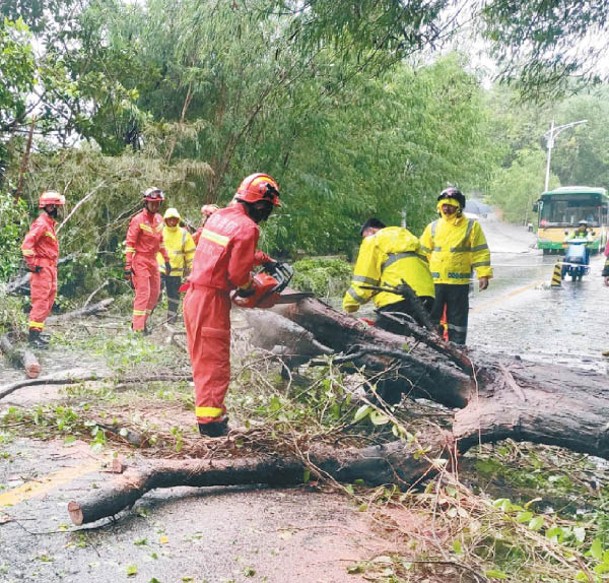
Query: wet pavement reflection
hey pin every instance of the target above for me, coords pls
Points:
(522, 314)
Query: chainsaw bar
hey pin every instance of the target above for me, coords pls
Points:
(293, 297)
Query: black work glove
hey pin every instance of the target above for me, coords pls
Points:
(245, 292)
(167, 268)
(34, 268)
(128, 275)
(270, 264)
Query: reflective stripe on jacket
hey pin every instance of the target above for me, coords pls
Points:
(386, 258)
(145, 236)
(40, 246)
(180, 248)
(456, 247)
(225, 254)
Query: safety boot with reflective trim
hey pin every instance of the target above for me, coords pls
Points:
(214, 429)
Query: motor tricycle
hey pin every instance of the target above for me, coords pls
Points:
(576, 263)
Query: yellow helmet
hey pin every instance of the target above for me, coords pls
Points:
(172, 213)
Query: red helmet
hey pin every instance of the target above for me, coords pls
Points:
(153, 194)
(257, 187)
(51, 197)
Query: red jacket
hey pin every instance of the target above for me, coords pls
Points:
(40, 246)
(225, 254)
(145, 237)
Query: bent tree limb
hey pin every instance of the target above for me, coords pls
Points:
(75, 380)
(395, 463)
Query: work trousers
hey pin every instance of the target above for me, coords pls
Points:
(419, 313)
(43, 289)
(147, 284)
(207, 320)
(455, 299)
(172, 283)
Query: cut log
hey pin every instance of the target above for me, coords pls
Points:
(396, 462)
(20, 357)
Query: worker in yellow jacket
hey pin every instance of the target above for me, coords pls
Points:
(389, 256)
(456, 246)
(181, 250)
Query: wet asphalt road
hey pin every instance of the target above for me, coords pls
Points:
(522, 314)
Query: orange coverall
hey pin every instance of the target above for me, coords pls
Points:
(224, 258)
(41, 249)
(144, 241)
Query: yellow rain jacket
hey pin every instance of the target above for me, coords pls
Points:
(456, 246)
(181, 249)
(389, 256)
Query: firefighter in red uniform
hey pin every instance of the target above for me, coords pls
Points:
(144, 241)
(223, 261)
(40, 251)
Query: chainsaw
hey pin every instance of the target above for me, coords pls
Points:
(266, 288)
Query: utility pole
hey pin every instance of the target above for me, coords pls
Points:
(550, 137)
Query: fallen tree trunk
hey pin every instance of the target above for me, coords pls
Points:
(92, 310)
(20, 357)
(396, 462)
(22, 283)
(495, 399)
(499, 399)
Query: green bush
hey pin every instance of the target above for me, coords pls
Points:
(13, 224)
(325, 277)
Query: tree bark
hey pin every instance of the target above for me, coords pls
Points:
(396, 462)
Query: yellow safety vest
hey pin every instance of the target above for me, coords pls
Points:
(181, 249)
(456, 247)
(386, 258)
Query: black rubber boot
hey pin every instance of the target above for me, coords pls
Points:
(216, 429)
(35, 340)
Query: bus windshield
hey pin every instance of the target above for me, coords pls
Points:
(568, 210)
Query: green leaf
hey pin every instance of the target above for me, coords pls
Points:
(601, 569)
(131, 570)
(524, 516)
(555, 533)
(596, 549)
(536, 523)
(494, 574)
(457, 547)
(378, 418)
(362, 413)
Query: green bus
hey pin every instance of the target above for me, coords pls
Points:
(560, 210)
